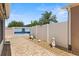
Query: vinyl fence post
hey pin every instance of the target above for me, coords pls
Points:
(36, 31)
(48, 33)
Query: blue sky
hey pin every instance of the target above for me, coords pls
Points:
(26, 12)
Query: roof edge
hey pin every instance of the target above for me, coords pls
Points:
(70, 5)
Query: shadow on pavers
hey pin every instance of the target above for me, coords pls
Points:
(6, 49)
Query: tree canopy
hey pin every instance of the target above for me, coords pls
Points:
(33, 23)
(46, 18)
(15, 24)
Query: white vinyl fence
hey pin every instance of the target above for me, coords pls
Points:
(9, 33)
(57, 30)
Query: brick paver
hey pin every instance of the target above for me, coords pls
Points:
(22, 46)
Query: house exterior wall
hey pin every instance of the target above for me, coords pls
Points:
(4, 14)
(2, 37)
(1, 46)
(75, 29)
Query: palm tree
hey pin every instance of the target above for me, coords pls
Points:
(47, 17)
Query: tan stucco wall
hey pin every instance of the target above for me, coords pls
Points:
(2, 18)
(75, 29)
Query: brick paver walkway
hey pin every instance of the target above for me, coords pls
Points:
(20, 46)
(23, 47)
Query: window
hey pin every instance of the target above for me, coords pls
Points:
(1, 30)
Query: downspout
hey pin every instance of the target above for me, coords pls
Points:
(69, 29)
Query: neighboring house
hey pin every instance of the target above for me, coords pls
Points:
(4, 14)
(28, 25)
(73, 25)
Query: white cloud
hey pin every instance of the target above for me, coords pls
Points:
(60, 13)
(26, 18)
(62, 16)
